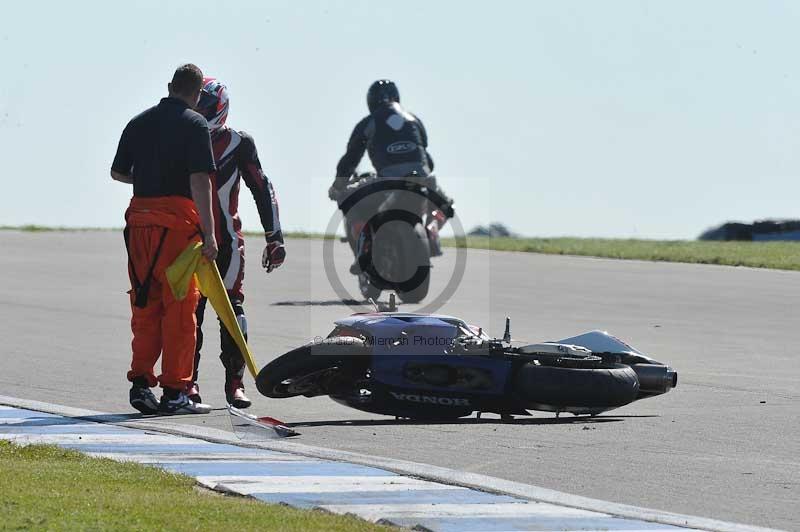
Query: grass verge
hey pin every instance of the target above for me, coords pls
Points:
(774, 255)
(44, 487)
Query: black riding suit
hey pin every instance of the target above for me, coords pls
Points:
(393, 137)
(397, 143)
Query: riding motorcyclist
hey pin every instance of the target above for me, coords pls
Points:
(397, 144)
(236, 160)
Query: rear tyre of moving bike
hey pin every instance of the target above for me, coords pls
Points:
(417, 271)
(577, 390)
(303, 370)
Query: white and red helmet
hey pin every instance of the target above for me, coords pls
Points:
(213, 103)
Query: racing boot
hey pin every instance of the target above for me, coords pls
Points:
(141, 398)
(193, 392)
(437, 220)
(177, 402)
(234, 393)
(233, 361)
(363, 255)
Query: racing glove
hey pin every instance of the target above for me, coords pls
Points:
(274, 254)
(448, 210)
(333, 192)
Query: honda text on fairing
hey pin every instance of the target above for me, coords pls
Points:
(395, 233)
(438, 367)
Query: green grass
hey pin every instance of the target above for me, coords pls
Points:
(44, 487)
(775, 255)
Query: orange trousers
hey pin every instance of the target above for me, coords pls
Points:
(163, 327)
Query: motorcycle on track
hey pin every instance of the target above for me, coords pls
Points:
(437, 367)
(393, 224)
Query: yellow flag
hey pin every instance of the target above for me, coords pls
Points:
(179, 275)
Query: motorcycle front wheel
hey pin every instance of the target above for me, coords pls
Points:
(300, 371)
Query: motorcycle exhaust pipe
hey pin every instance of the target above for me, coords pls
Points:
(655, 379)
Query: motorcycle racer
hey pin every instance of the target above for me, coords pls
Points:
(397, 144)
(395, 139)
(237, 160)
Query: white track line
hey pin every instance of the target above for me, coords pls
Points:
(489, 510)
(99, 439)
(259, 458)
(317, 484)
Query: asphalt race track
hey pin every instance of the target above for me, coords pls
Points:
(725, 444)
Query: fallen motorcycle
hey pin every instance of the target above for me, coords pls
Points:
(438, 367)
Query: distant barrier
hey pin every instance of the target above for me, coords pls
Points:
(760, 231)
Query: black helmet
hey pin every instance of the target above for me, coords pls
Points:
(383, 90)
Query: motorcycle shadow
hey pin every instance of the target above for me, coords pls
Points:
(579, 420)
(383, 306)
(324, 303)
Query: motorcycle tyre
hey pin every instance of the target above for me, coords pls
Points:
(418, 249)
(310, 358)
(611, 386)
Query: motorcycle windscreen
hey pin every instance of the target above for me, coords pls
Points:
(600, 342)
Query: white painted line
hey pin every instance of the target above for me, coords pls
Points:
(13, 420)
(259, 458)
(100, 439)
(317, 484)
(426, 471)
(508, 509)
(55, 422)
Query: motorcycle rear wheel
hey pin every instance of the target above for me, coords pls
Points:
(280, 378)
(417, 252)
(417, 294)
(608, 386)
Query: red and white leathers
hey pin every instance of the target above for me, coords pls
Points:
(237, 160)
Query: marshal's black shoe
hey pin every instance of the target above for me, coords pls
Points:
(142, 399)
(180, 403)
